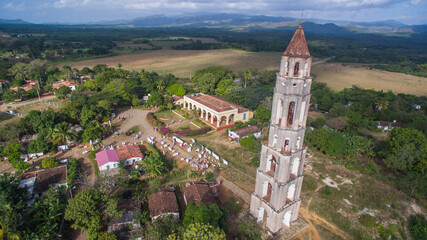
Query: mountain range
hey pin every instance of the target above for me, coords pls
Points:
(241, 21)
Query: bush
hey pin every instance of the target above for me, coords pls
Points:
(153, 120)
(368, 221)
(189, 132)
(232, 206)
(209, 176)
(50, 162)
(418, 227)
(73, 171)
(255, 161)
(251, 143)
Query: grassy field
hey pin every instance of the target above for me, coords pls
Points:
(339, 76)
(183, 63)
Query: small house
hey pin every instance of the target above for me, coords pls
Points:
(388, 126)
(130, 153)
(241, 133)
(38, 182)
(30, 84)
(199, 192)
(128, 222)
(163, 203)
(107, 159)
(71, 84)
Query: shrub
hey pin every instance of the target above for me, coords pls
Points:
(164, 130)
(153, 120)
(189, 132)
(418, 227)
(251, 143)
(255, 161)
(368, 221)
(73, 171)
(336, 123)
(50, 162)
(209, 176)
(232, 206)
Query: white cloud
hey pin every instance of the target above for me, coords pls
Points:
(14, 7)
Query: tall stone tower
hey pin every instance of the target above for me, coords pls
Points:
(276, 199)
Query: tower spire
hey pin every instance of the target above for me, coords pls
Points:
(298, 45)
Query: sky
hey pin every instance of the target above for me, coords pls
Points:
(85, 11)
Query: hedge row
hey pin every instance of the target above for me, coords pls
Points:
(153, 120)
(73, 171)
(189, 132)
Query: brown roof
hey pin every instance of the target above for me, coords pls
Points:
(216, 103)
(247, 130)
(199, 192)
(26, 87)
(47, 177)
(63, 83)
(129, 151)
(162, 202)
(298, 45)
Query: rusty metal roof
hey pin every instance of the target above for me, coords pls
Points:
(298, 45)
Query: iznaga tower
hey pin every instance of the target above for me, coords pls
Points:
(276, 199)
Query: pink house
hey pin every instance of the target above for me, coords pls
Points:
(107, 159)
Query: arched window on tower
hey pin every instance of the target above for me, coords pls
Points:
(286, 147)
(285, 71)
(279, 112)
(296, 69)
(271, 165)
(266, 191)
(291, 193)
(291, 110)
(306, 69)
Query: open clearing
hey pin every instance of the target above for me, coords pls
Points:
(339, 76)
(183, 63)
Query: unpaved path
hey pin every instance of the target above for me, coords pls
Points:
(3, 107)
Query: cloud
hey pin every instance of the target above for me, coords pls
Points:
(14, 7)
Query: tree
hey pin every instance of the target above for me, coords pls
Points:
(62, 92)
(44, 218)
(88, 114)
(93, 131)
(176, 89)
(207, 79)
(223, 85)
(200, 232)
(153, 165)
(90, 85)
(248, 76)
(162, 228)
(212, 215)
(249, 230)
(90, 210)
(262, 115)
(13, 154)
(12, 202)
(406, 150)
(418, 227)
(156, 99)
(62, 133)
(107, 235)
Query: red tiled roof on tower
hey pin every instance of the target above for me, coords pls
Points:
(298, 45)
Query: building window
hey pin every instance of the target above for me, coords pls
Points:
(244, 116)
(291, 110)
(296, 69)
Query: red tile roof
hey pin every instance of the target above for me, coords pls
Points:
(162, 202)
(26, 87)
(199, 192)
(216, 103)
(298, 45)
(59, 84)
(129, 151)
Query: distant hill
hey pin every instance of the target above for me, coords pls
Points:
(242, 21)
(13, 21)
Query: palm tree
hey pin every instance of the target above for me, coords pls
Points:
(381, 104)
(62, 133)
(248, 76)
(152, 165)
(161, 85)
